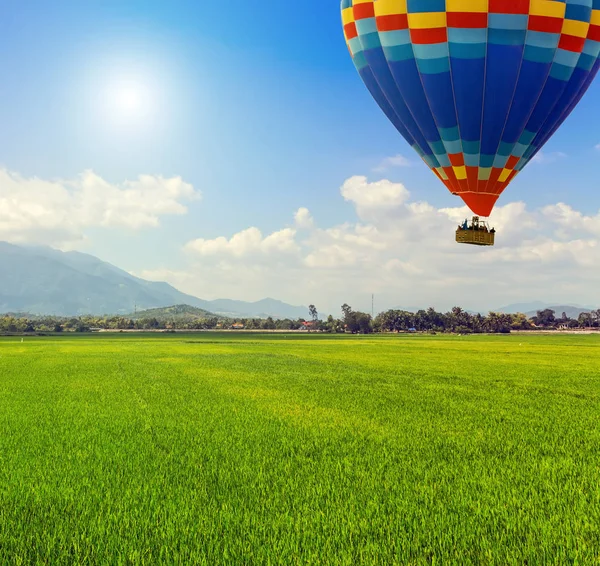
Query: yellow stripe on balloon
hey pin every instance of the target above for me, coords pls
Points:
(504, 175)
(576, 28)
(548, 8)
(348, 16)
(478, 6)
(390, 7)
(427, 20)
(460, 172)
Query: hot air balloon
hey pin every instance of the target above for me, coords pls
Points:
(476, 87)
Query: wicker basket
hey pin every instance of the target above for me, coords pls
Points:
(475, 237)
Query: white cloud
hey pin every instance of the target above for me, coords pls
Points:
(597, 148)
(344, 246)
(303, 219)
(404, 252)
(58, 212)
(392, 162)
(400, 249)
(246, 244)
(571, 222)
(374, 199)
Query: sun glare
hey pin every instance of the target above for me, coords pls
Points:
(125, 98)
(126, 102)
(128, 90)
(129, 100)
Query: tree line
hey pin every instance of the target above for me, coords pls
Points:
(456, 320)
(460, 321)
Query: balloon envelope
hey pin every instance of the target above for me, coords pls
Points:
(476, 87)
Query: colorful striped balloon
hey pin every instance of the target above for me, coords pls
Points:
(476, 87)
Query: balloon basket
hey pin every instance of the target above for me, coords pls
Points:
(476, 234)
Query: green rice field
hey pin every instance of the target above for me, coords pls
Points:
(216, 449)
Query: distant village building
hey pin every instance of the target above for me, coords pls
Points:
(238, 326)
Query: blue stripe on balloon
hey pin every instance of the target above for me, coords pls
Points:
(468, 76)
(503, 66)
(529, 87)
(434, 67)
(387, 85)
(578, 12)
(395, 37)
(539, 55)
(467, 36)
(514, 22)
(488, 93)
(409, 84)
(373, 87)
(367, 26)
(468, 50)
(506, 37)
(423, 6)
(543, 39)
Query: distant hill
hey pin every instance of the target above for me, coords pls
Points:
(44, 281)
(176, 312)
(523, 307)
(570, 311)
(258, 309)
(531, 309)
(41, 280)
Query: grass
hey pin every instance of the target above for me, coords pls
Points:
(279, 449)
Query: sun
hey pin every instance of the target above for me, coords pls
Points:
(128, 101)
(129, 94)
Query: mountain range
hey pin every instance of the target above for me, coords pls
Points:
(44, 281)
(532, 308)
(41, 280)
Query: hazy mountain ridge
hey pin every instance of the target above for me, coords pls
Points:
(40, 280)
(259, 309)
(174, 312)
(531, 309)
(45, 281)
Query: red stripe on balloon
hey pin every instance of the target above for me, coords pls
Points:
(509, 7)
(363, 11)
(350, 31)
(594, 33)
(512, 162)
(481, 186)
(457, 159)
(494, 176)
(546, 24)
(429, 36)
(472, 177)
(463, 185)
(452, 182)
(499, 187)
(467, 20)
(572, 43)
(392, 23)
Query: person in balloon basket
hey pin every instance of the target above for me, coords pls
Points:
(479, 227)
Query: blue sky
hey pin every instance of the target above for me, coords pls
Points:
(256, 105)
